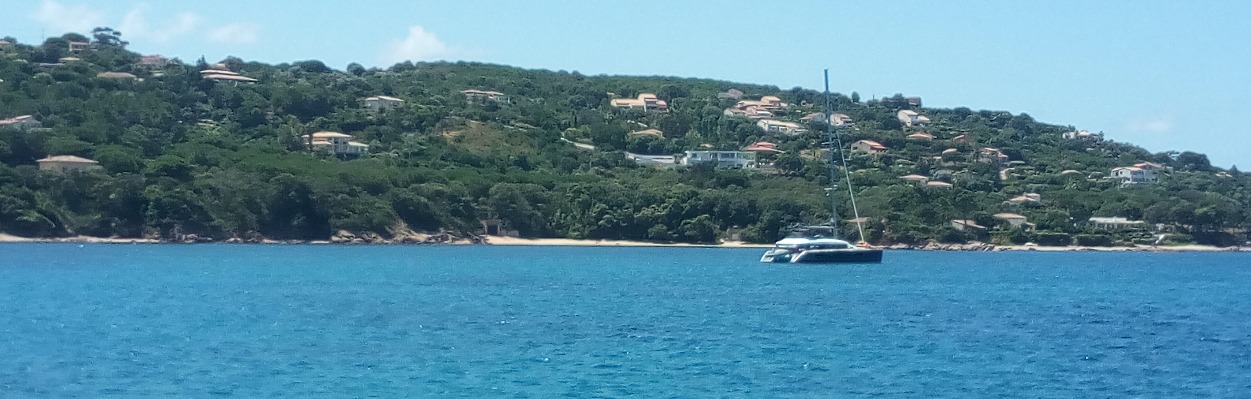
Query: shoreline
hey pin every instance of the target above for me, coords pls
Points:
(569, 242)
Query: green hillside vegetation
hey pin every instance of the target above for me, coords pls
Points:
(180, 155)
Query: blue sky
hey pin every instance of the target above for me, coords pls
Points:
(1165, 75)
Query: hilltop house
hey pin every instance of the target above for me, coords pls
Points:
(868, 147)
(911, 118)
(1134, 176)
(23, 122)
(1083, 135)
(339, 144)
(153, 62)
(731, 93)
(381, 103)
(478, 96)
(776, 126)
(991, 155)
(5, 45)
(66, 163)
(913, 101)
(645, 101)
(767, 102)
(75, 47)
(725, 159)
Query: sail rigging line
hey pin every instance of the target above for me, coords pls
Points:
(836, 143)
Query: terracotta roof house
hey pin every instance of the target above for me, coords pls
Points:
(645, 101)
(763, 147)
(66, 163)
(911, 118)
(381, 103)
(938, 184)
(950, 151)
(922, 136)
(20, 122)
(5, 45)
(961, 138)
(868, 147)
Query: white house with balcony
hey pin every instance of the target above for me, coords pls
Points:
(911, 118)
(336, 143)
(381, 103)
(1135, 176)
(721, 159)
(780, 127)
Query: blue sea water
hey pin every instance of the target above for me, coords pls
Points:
(310, 321)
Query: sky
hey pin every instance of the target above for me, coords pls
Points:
(1164, 75)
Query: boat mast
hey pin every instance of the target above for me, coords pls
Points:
(829, 132)
(834, 140)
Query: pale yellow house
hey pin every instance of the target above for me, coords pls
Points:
(336, 143)
(645, 101)
(66, 163)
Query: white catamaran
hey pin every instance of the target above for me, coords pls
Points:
(822, 244)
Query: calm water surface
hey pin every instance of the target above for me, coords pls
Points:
(209, 321)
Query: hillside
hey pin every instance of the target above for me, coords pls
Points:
(228, 151)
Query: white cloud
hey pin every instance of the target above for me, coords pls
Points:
(1154, 124)
(135, 26)
(62, 18)
(418, 46)
(236, 33)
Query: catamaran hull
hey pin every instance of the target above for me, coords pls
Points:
(856, 255)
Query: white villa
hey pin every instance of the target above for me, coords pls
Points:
(472, 95)
(1115, 223)
(1135, 175)
(336, 143)
(381, 103)
(868, 147)
(911, 118)
(725, 159)
(776, 126)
